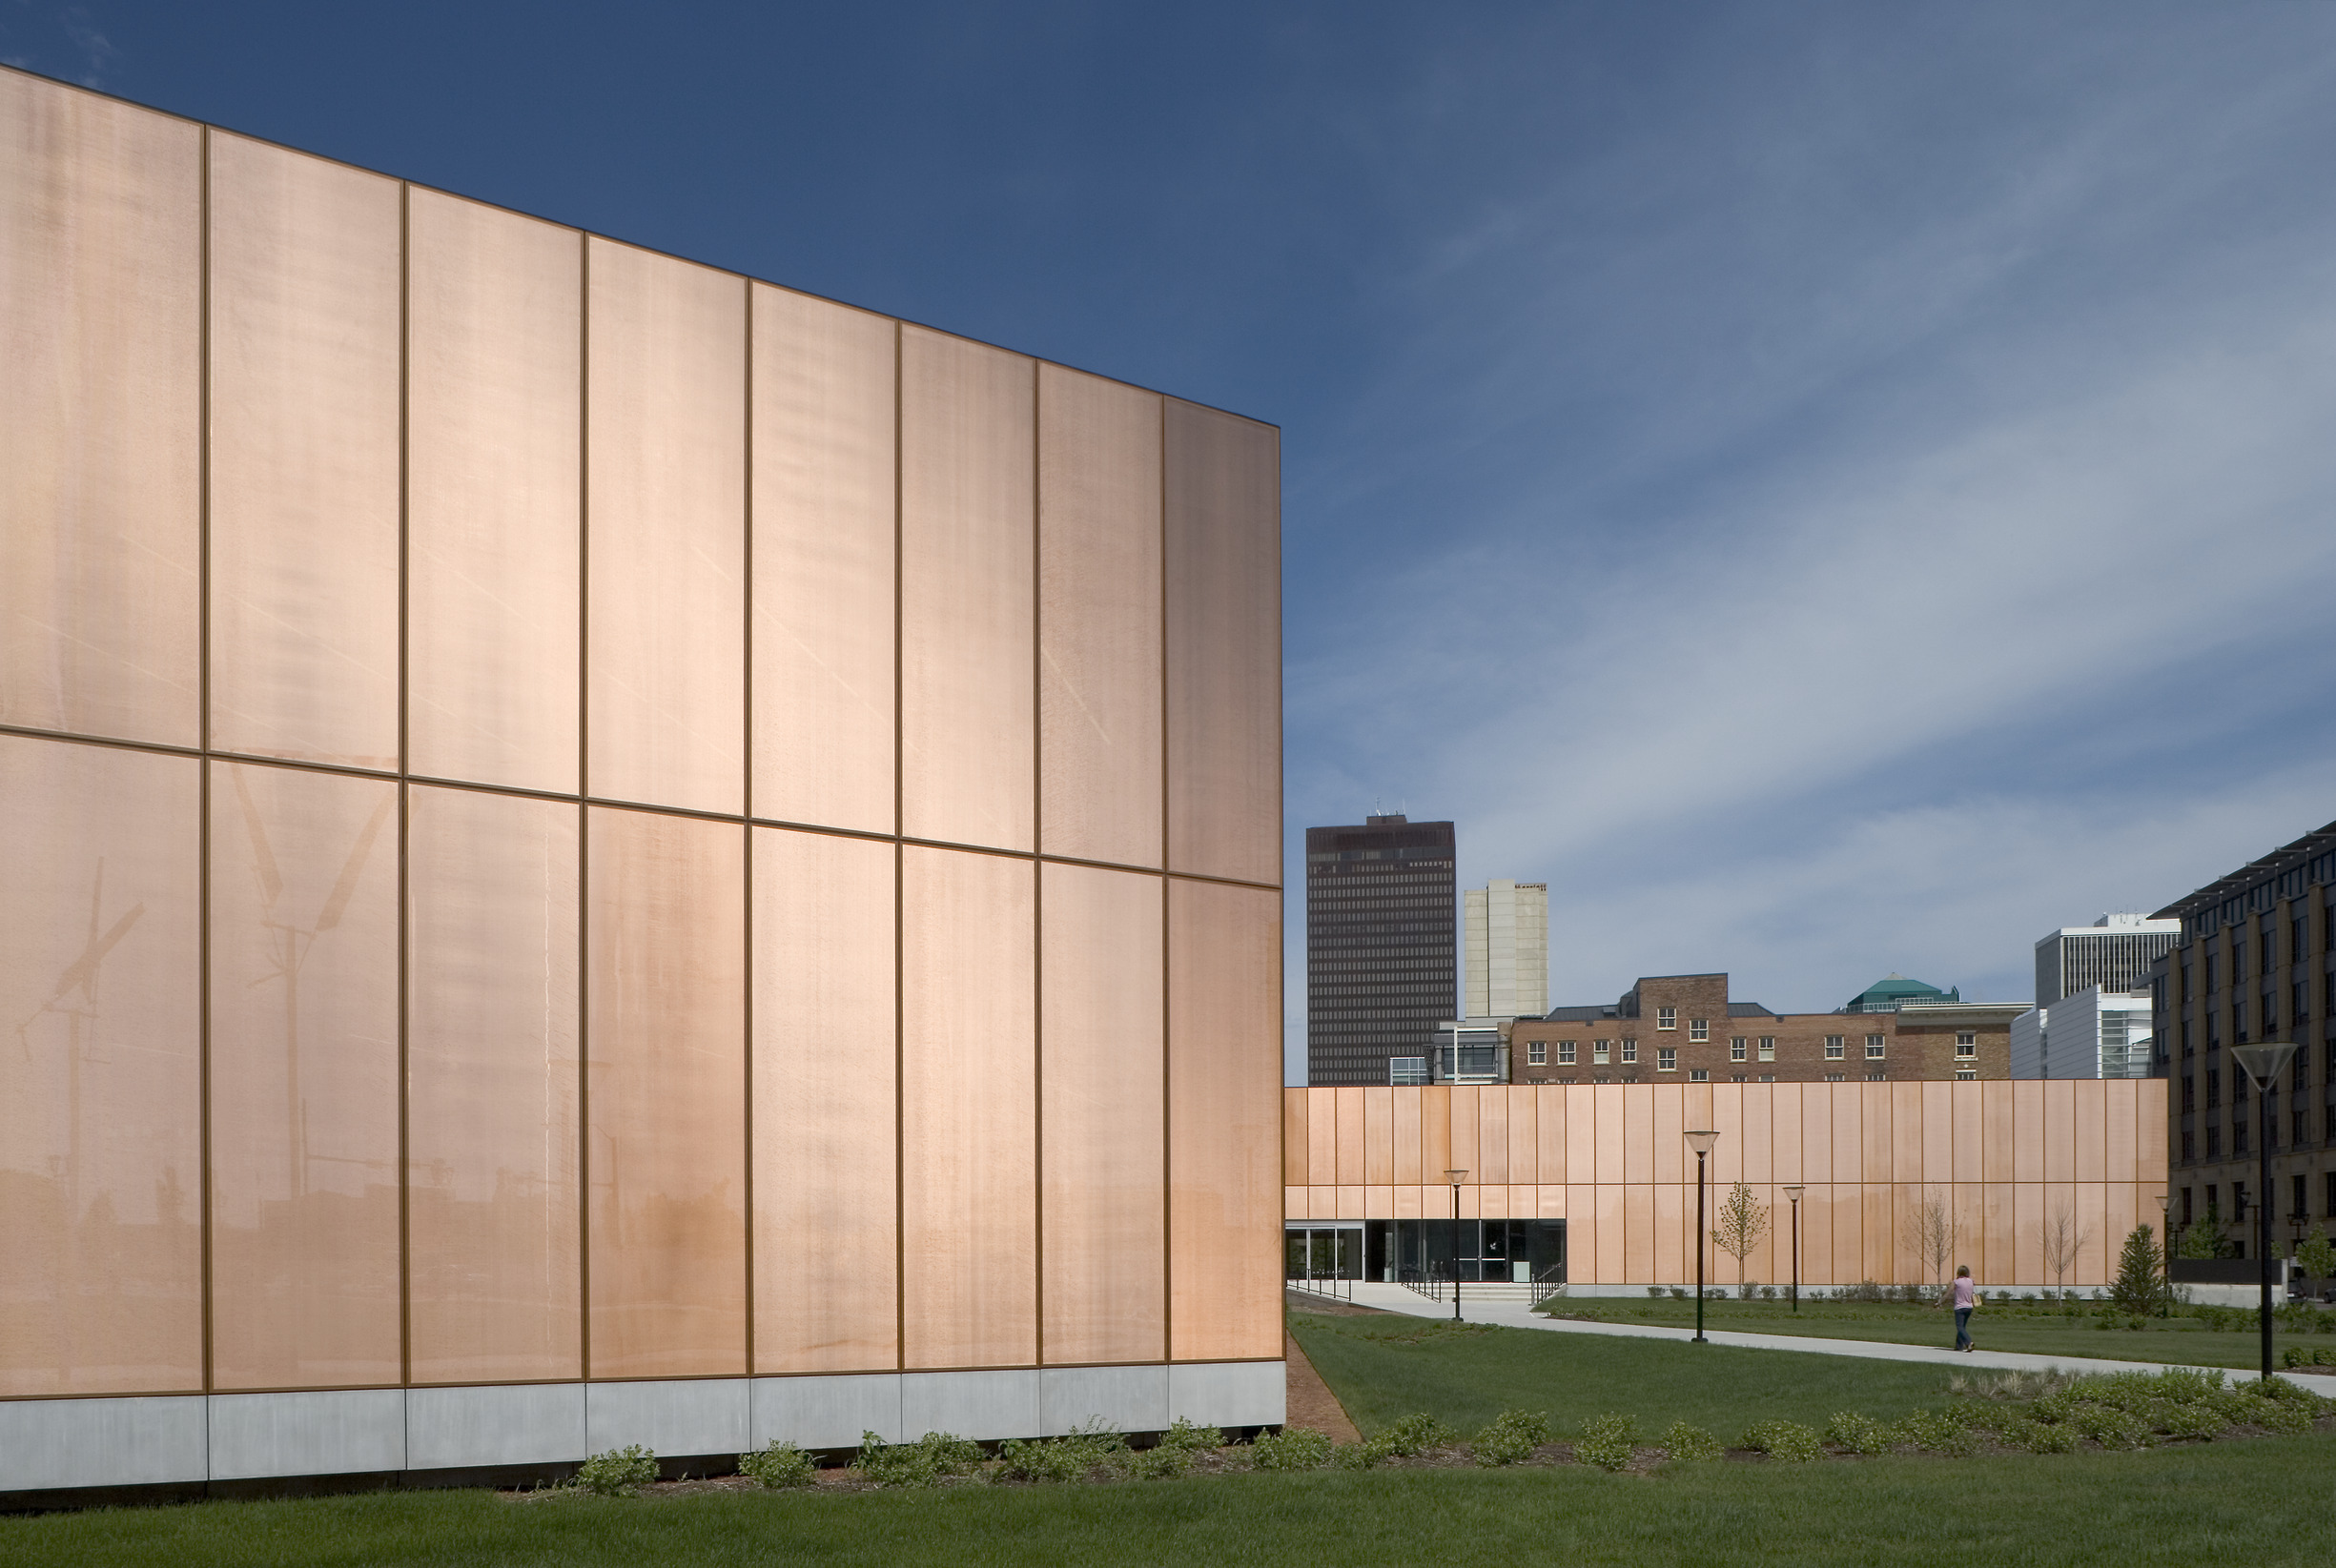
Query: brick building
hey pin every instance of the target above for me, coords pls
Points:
(1684, 1029)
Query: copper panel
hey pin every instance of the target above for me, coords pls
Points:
(1101, 1139)
(1463, 1126)
(1816, 1131)
(1669, 1157)
(1581, 1134)
(1938, 1121)
(1848, 1133)
(1377, 1201)
(824, 1057)
(1845, 1220)
(824, 513)
(1581, 1232)
(1607, 1101)
(1408, 1136)
(1551, 1201)
(969, 1151)
(2121, 1212)
(303, 1079)
(1550, 1125)
(666, 543)
(492, 1015)
(2089, 1115)
(1878, 1234)
(304, 367)
(1727, 1163)
(1880, 1133)
(1787, 1162)
(1637, 1135)
(1759, 1110)
(2028, 1129)
(967, 641)
(1816, 1234)
(1435, 1133)
(1349, 1157)
(2029, 1213)
(1524, 1137)
(1295, 1143)
(1674, 1216)
(1695, 1103)
(100, 296)
(100, 1165)
(1322, 1138)
(1348, 1200)
(1378, 1136)
(1225, 645)
(1996, 1131)
(1098, 617)
(665, 1153)
(1968, 1109)
(1612, 1236)
(1908, 1103)
(492, 540)
(2097, 1246)
(1224, 1058)
(1294, 1202)
(1407, 1201)
(1998, 1264)
(1492, 1134)
(2061, 1131)
(1470, 1202)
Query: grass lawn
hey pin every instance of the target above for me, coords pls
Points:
(2255, 1501)
(1383, 1368)
(2186, 1341)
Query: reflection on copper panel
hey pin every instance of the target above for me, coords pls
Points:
(823, 1208)
(966, 583)
(101, 257)
(1224, 1060)
(1098, 617)
(968, 1104)
(665, 1153)
(304, 261)
(1099, 1013)
(823, 562)
(101, 1245)
(1225, 645)
(492, 540)
(491, 1098)
(666, 540)
(303, 1079)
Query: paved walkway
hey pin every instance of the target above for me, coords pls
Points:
(1516, 1314)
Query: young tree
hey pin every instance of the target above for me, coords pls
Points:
(1742, 1223)
(2063, 1239)
(2316, 1258)
(1936, 1233)
(2140, 1274)
(2203, 1238)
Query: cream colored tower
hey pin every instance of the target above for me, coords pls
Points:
(1507, 949)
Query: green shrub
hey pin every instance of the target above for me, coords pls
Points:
(1293, 1448)
(928, 1461)
(1367, 1454)
(1684, 1442)
(1939, 1431)
(778, 1465)
(2307, 1355)
(1608, 1441)
(2192, 1421)
(1072, 1457)
(2287, 1417)
(2111, 1427)
(1859, 1434)
(1788, 1442)
(2039, 1437)
(1511, 1437)
(1190, 1440)
(1415, 1433)
(619, 1473)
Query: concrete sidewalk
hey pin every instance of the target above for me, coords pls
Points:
(1516, 1314)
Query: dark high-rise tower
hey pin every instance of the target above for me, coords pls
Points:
(1381, 956)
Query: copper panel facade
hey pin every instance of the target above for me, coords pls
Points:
(968, 585)
(100, 1156)
(303, 1079)
(1294, 1138)
(1098, 617)
(1224, 1058)
(969, 1104)
(304, 416)
(1101, 1117)
(1377, 1146)
(823, 524)
(1350, 1136)
(665, 1151)
(666, 530)
(494, 376)
(824, 1095)
(100, 296)
(1223, 530)
(492, 1036)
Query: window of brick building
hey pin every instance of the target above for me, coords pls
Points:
(1874, 1047)
(1971, 1073)
(1875, 1077)
(1699, 1075)
(1599, 1050)
(2189, 1216)
(1565, 1053)
(1966, 1043)
(1735, 1077)
(1833, 1078)
(1537, 1053)
(1667, 1058)
(2214, 1144)
(1666, 1018)
(2210, 974)
(1833, 1048)
(2238, 1137)
(1699, 1028)
(1738, 1047)
(2189, 1150)
(1630, 1049)
(2295, 941)
(2214, 1088)
(2190, 1091)
(1768, 1047)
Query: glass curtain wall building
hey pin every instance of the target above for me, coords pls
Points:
(1382, 949)
(600, 851)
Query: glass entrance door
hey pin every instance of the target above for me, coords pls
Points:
(1322, 1252)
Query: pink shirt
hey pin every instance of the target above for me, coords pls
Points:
(1964, 1291)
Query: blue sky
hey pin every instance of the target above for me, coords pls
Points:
(1829, 488)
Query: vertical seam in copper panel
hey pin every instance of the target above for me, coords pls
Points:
(1037, 885)
(747, 822)
(202, 742)
(1167, 1006)
(900, 855)
(406, 921)
(583, 812)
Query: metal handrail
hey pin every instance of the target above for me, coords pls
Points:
(1333, 1289)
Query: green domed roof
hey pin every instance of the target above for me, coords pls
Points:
(1886, 994)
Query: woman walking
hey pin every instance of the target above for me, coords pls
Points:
(1966, 1298)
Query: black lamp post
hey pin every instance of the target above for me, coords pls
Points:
(1795, 1193)
(2264, 1064)
(1701, 1142)
(1454, 1176)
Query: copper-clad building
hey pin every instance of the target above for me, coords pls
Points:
(599, 851)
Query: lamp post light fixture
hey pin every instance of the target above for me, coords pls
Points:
(1454, 1177)
(1795, 1193)
(2166, 1237)
(2264, 1063)
(1700, 1141)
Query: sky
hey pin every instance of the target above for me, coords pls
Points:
(1831, 488)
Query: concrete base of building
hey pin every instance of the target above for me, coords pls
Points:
(61, 1453)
